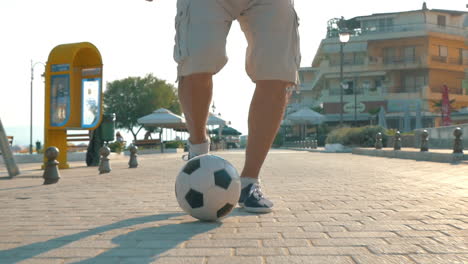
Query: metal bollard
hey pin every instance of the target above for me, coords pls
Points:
(104, 165)
(458, 142)
(51, 172)
(133, 162)
(378, 141)
(397, 141)
(424, 141)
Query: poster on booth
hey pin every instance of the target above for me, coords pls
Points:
(91, 102)
(59, 100)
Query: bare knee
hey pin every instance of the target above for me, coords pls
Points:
(272, 90)
(196, 79)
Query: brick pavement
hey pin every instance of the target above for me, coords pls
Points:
(330, 208)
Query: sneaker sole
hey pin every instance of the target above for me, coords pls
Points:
(258, 210)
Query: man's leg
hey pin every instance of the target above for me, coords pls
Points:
(266, 111)
(195, 92)
(265, 115)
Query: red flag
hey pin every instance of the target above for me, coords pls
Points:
(446, 120)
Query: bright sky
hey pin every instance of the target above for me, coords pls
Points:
(136, 37)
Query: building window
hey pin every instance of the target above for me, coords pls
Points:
(378, 25)
(389, 55)
(465, 57)
(443, 51)
(441, 21)
(410, 54)
(413, 83)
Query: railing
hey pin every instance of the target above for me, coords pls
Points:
(401, 60)
(405, 89)
(439, 59)
(403, 28)
(451, 90)
(456, 61)
(347, 62)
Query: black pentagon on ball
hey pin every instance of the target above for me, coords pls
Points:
(194, 198)
(222, 179)
(225, 210)
(192, 166)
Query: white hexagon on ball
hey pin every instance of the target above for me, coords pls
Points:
(208, 187)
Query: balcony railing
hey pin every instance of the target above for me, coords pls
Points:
(401, 60)
(440, 59)
(456, 61)
(403, 28)
(452, 90)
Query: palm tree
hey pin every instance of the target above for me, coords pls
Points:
(437, 104)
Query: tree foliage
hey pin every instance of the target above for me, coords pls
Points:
(134, 97)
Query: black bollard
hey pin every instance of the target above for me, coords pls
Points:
(424, 141)
(315, 144)
(397, 141)
(378, 141)
(458, 142)
(51, 172)
(104, 165)
(133, 162)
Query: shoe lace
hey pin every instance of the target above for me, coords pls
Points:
(256, 191)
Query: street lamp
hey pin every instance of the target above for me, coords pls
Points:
(33, 64)
(344, 38)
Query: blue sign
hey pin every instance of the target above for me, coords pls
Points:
(400, 105)
(60, 67)
(59, 100)
(91, 102)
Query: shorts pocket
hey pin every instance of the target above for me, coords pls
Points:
(182, 25)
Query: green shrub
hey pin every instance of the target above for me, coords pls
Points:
(356, 136)
(174, 144)
(116, 146)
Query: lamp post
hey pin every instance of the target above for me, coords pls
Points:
(33, 64)
(344, 38)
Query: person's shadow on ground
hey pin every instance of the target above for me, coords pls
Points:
(147, 244)
(177, 233)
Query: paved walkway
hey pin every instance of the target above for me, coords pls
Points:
(330, 208)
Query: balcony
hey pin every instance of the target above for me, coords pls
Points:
(457, 61)
(439, 59)
(401, 60)
(452, 90)
(424, 27)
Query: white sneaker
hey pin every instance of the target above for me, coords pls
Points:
(197, 149)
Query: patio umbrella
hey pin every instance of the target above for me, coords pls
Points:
(306, 116)
(382, 120)
(214, 120)
(162, 118)
(418, 116)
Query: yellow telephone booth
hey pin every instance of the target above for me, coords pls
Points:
(73, 94)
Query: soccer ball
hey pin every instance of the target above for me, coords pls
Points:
(208, 187)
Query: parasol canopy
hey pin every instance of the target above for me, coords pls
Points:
(162, 118)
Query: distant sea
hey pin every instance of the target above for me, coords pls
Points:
(21, 135)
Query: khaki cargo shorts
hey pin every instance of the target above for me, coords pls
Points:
(270, 27)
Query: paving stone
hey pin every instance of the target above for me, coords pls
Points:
(331, 251)
(440, 259)
(372, 259)
(235, 260)
(396, 249)
(310, 259)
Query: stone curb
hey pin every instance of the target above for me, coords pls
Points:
(413, 155)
